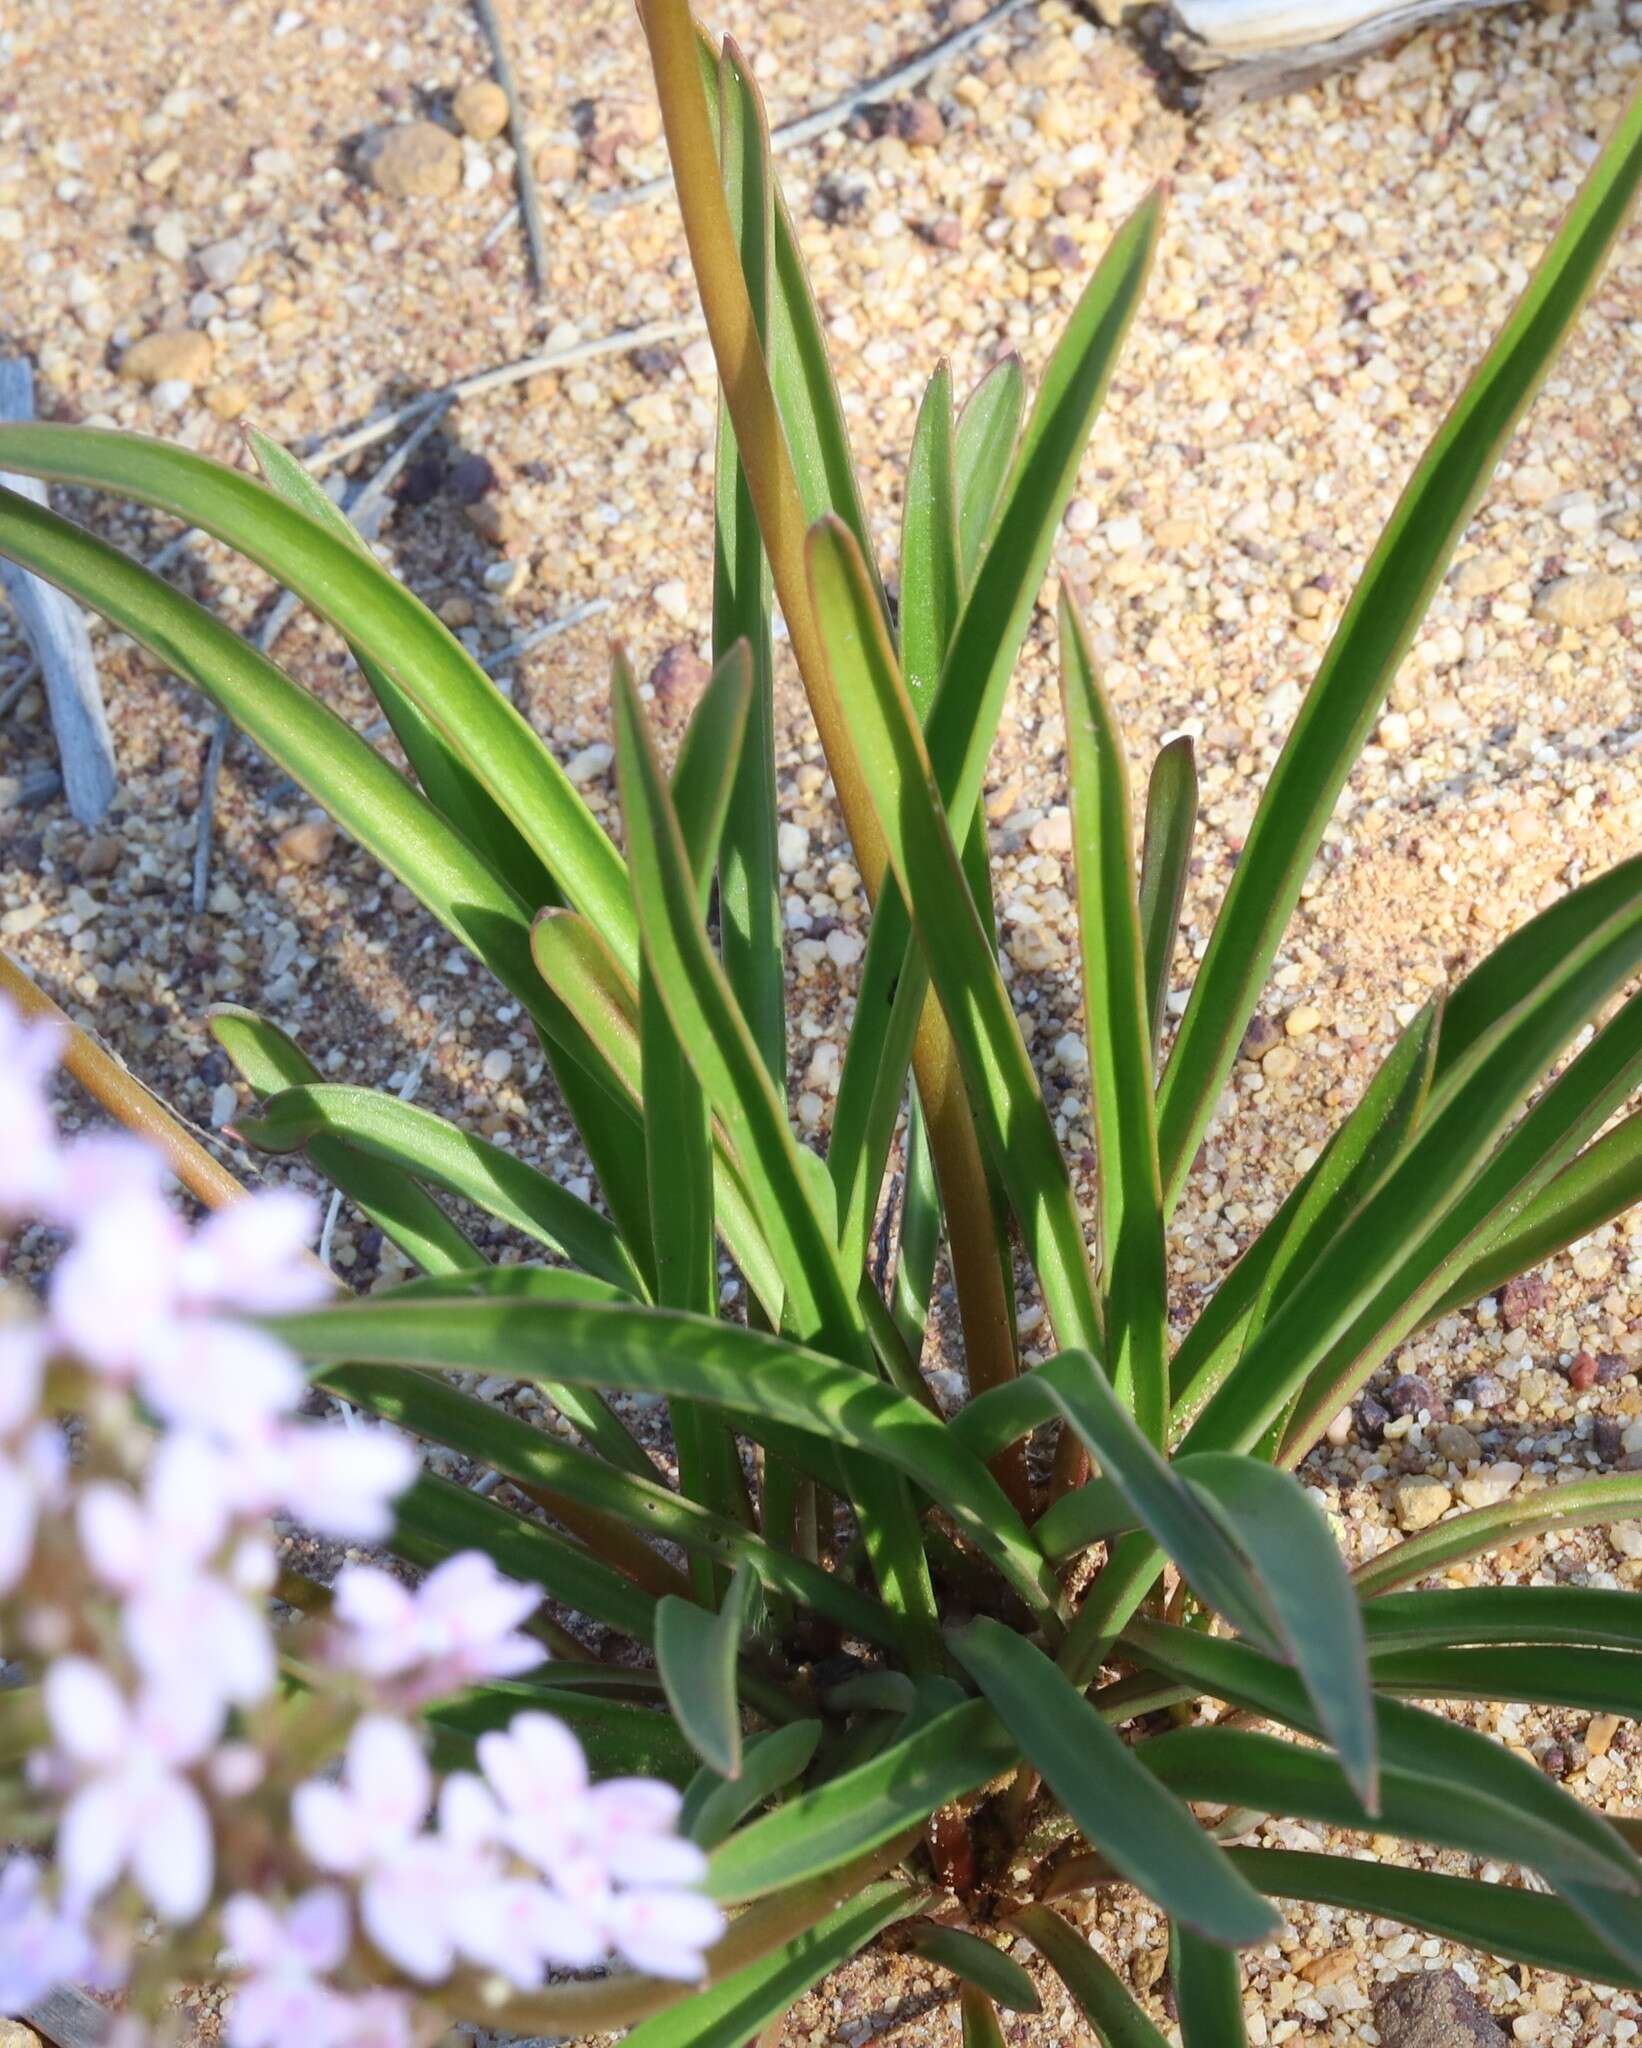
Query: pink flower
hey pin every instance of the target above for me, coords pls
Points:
(134, 1808)
(377, 2019)
(664, 1933)
(373, 1811)
(283, 1999)
(41, 1946)
(521, 1928)
(23, 1351)
(339, 1481)
(31, 1478)
(113, 1294)
(460, 1625)
(253, 1257)
(28, 1137)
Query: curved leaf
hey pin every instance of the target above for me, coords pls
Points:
(981, 1963)
(696, 1655)
(714, 1804)
(1096, 1988)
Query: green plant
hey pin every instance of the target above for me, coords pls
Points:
(993, 1745)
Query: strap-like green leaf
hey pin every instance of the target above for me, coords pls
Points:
(1165, 852)
(619, 1741)
(981, 1963)
(920, 1235)
(1581, 1504)
(744, 1371)
(1504, 1614)
(1096, 1988)
(931, 577)
(964, 718)
(696, 1655)
(1385, 609)
(981, 2025)
(731, 2013)
(1523, 1926)
(1133, 1270)
(396, 1203)
(851, 1814)
(989, 425)
(1591, 1681)
(714, 1804)
(1275, 1524)
(1002, 1090)
(1208, 1991)
(1141, 1830)
(352, 590)
(451, 786)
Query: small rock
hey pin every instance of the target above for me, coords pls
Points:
(1419, 1501)
(590, 763)
(917, 122)
(1608, 1440)
(1600, 1731)
(1372, 1417)
(1408, 1394)
(221, 262)
(1053, 832)
(1583, 601)
(1395, 732)
(224, 1104)
(677, 681)
(1339, 1430)
(1522, 1296)
(1434, 2010)
(792, 846)
(1373, 81)
(171, 238)
(672, 600)
(1457, 1444)
(101, 854)
(494, 520)
(1581, 1371)
(469, 478)
(1303, 1019)
(1494, 1483)
(506, 578)
(307, 845)
(1281, 1062)
(227, 401)
(945, 231)
(1263, 1033)
(175, 355)
(13, 2034)
(497, 1065)
(1485, 1391)
(414, 160)
(1482, 576)
(480, 108)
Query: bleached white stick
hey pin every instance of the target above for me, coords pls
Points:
(55, 628)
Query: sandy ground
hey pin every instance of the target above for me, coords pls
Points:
(1331, 263)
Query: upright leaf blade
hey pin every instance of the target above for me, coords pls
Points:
(1141, 1830)
(1133, 1268)
(1098, 1991)
(989, 425)
(931, 576)
(696, 1656)
(1385, 609)
(1166, 846)
(1208, 1991)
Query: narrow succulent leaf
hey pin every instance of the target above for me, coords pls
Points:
(920, 1236)
(850, 1815)
(749, 871)
(1164, 1502)
(353, 592)
(1380, 621)
(714, 1805)
(981, 2025)
(773, 1384)
(931, 578)
(1318, 1205)
(979, 1963)
(1522, 1926)
(1141, 1830)
(1600, 1185)
(1541, 1615)
(1265, 1774)
(424, 1404)
(988, 429)
(1590, 1864)
(420, 1143)
(1589, 1681)
(1002, 1090)
(436, 1518)
(451, 785)
(1208, 1991)
(696, 1655)
(729, 2014)
(1133, 1270)
(821, 1304)
(399, 1206)
(1097, 1990)
(1273, 1521)
(619, 1741)
(367, 797)
(964, 718)
(1165, 854)
(1371, 1284)
(1581, 1504)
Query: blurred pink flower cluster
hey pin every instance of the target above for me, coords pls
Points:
(135, 1572)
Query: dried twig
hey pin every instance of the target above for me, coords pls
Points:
(515, 649)
(55, 628)
(524, 172)
(367, 508)
(69, 2019)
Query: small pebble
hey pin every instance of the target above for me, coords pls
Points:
(497, 1065)
(176, 355)
(1419, 1501)
(480, 108)
(1408, 1394)
(413, 160)
(307, 845)
(1581, 602)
